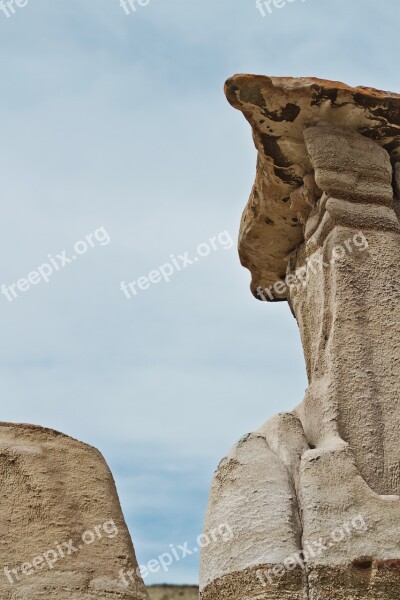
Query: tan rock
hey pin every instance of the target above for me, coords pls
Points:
(62, 532)
(279, 110)
(323, 218)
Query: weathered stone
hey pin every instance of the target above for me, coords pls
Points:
(321, 497)
(253, 490)
(397, 180)
(62, 532)
(279, 111)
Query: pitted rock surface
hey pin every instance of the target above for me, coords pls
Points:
(279, 110)
(62, 532)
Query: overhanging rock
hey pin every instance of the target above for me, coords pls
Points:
(279, 110)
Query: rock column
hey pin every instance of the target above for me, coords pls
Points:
(313, 496)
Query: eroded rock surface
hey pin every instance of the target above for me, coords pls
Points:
(279, 111)
(313, 496)
(62, 532)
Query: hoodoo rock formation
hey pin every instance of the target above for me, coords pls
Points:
(313, 495)
(62, 532)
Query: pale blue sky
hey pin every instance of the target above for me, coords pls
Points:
(120, 121)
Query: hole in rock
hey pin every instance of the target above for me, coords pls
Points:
(363, 564)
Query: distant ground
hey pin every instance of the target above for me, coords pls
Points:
(173, 592)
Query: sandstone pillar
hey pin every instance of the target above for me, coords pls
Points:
(321, 230)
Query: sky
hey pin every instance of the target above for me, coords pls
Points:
(119, 155)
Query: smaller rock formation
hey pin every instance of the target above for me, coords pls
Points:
(62, 532)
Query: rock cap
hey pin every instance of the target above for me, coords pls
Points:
(279, 110)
